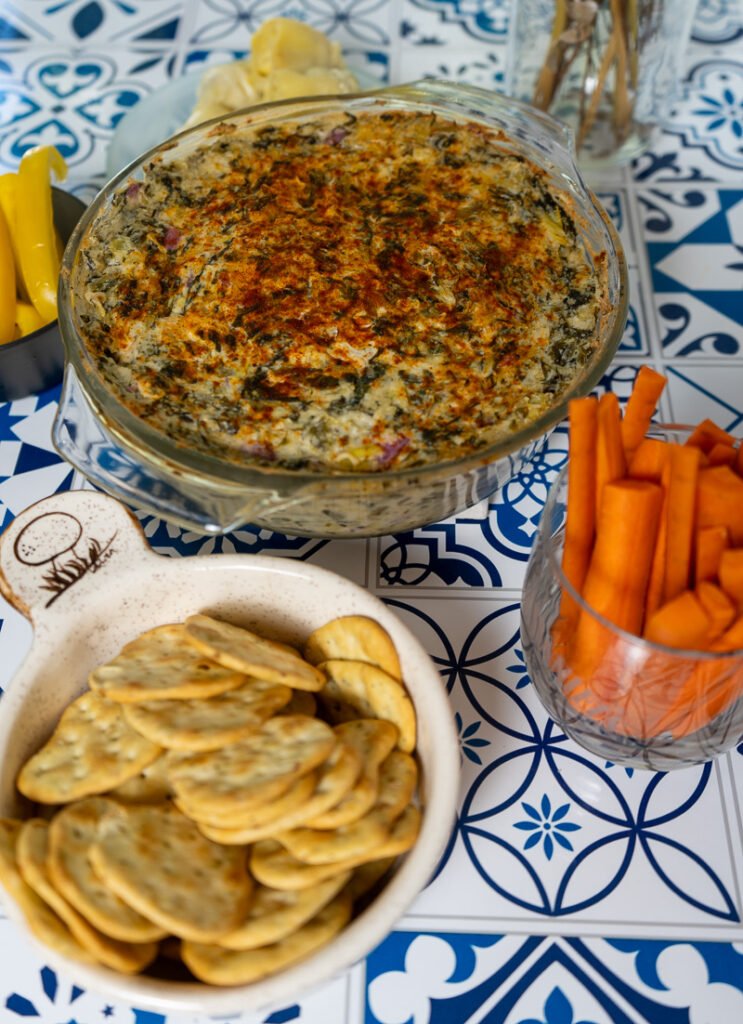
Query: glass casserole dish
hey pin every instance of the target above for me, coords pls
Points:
(194, 486)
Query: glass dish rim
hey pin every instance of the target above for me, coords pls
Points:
(154, 445)
(636, 641)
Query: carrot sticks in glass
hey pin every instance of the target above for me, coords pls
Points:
(653, 544)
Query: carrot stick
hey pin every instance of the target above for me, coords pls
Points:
(640, 407)
(720, 501)
(581, 506)
(654, 595)
(680, 510)
(680, 622)
(658, 682)
(739, 460)
(721, 455)
(712, 686)
(648, 459)
(731, 574)
(731, 639)
(610, 460)
(727, 688)
(718, 606)
(618, 574)
(707, 434)
(709, 545)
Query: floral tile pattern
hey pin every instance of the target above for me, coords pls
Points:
(72, 101)
(539, 911)
(693, 239)
(440, 978)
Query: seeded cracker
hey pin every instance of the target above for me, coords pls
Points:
(262, 815)
(150, 786)
(72, 833)
(273, 865)
(275, 914)
(259, 768)
(240, 649)
(92, 749)
(302, 703)
(357, 690)
(162, 664)
(374, 739)
(208, 724)
(397, 780)
(157, 861)
(219, 966)
(43, 923)
(366, 876)
(354, 638)
(335, 777)
(129, 958)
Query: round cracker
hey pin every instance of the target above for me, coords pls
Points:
(199, 724)
(261, 815)
(367, 876)
(335, 777)
(274, 914)
(162, 664)
(32, 850)
(72, 833)
(42, 922)
(218, 966)
(302, 703)
(397, 781)
(354, 638)
(272, 865)
(150, 786)
(93, 749)
(254, 655)
(156, 860)
(374, 739)
(357, 690)
(259, 768)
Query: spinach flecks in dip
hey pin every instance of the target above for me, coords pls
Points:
(345, 293)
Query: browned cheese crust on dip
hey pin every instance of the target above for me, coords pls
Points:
(342, 293)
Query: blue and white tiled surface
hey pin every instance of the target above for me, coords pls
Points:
(573, 891)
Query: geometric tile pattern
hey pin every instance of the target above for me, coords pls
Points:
(572, 890)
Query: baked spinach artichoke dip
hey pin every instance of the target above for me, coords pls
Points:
(342, 293)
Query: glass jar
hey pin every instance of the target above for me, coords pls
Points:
(646, 705)
(609, 69)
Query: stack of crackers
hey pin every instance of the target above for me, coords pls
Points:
(217, 798)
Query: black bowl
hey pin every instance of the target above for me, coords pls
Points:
(36, 361)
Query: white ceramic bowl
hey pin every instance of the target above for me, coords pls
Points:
(120, 588)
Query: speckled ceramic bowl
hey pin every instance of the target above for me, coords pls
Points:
(78, 566)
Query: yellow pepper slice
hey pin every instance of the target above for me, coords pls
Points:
(26, 318)
(37, 245)
(8, 193)
(7, 284)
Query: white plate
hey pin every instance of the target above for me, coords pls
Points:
(162, 113)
